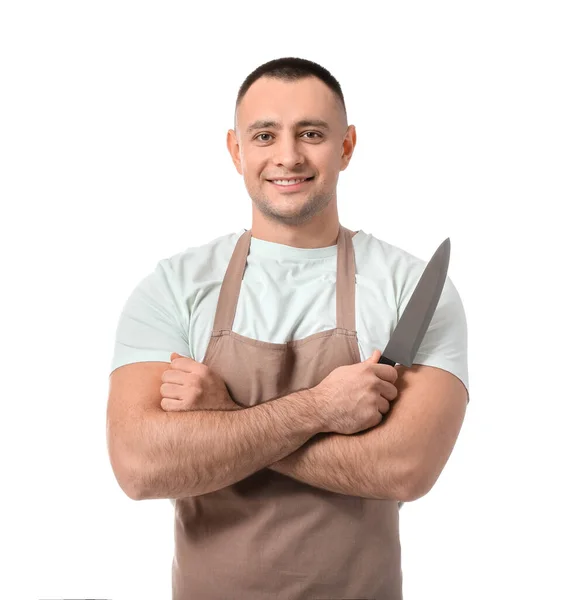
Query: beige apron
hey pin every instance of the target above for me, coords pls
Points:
(269, 536)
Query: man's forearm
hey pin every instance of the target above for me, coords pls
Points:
(347, 464)
(193, 453)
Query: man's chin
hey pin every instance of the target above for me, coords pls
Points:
(295, 216)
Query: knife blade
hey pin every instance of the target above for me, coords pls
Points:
(416, 317)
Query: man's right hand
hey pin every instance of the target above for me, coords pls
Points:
(356, 397)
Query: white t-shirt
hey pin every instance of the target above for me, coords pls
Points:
(286, 294)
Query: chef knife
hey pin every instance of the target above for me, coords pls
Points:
(414, 321)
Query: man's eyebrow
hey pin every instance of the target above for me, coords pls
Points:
(265, 123)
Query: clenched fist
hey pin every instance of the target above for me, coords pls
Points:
(190, 385)
(355, 397)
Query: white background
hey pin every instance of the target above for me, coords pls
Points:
(471, 123)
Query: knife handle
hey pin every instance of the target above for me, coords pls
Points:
(386, 361)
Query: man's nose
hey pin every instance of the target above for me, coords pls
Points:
(288, 153)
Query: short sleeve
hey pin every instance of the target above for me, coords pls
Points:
(445, 344)
(153, 322)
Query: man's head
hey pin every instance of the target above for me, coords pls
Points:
(291, 122)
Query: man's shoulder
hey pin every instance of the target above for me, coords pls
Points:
(379, 258)
(377, 251)
(203, 256)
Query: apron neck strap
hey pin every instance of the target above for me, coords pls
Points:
(231, 285)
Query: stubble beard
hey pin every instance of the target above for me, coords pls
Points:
(313, 205)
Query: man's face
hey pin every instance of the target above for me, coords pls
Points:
(279, 145)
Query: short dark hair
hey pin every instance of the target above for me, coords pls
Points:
(290, 68)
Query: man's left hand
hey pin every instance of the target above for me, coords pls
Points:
(190, 385)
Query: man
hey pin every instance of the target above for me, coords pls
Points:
(272, 430)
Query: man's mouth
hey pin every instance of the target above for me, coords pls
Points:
(290, 183)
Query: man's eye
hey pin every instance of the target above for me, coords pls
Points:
(315, 133)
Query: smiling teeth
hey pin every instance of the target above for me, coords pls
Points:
(286, 182)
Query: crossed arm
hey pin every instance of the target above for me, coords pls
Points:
(400, 458)
(356, 465)
(403, 456)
